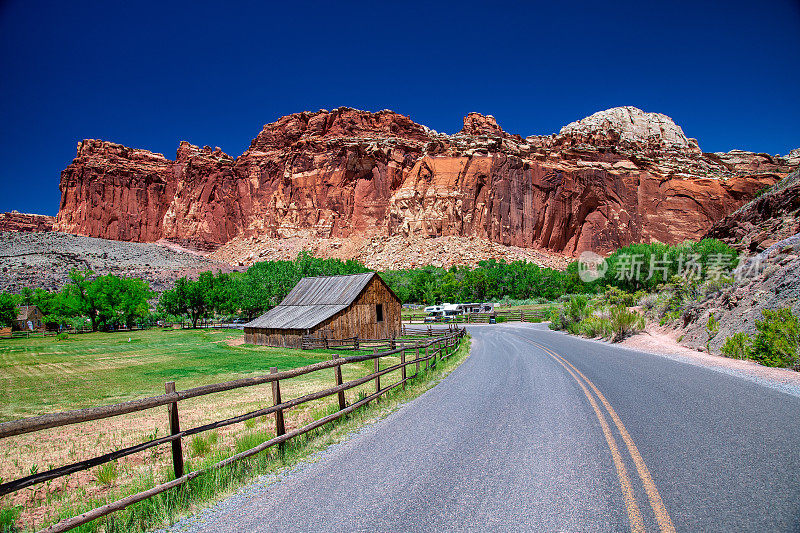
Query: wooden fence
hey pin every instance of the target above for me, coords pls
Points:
(428, 351)
(27, 334)
(408, 336)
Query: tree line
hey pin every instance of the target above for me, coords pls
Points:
(108, 302)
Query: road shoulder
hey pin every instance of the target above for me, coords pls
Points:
(655, 341)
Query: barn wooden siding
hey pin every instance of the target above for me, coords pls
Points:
(359, 318)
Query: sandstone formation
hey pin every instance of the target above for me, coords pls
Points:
(773, 216)
(617, 177)
(15, 221)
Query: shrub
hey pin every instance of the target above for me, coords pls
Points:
(624, 323)
(574, 310)
(107, 474)
(615, 296)
(63, 336)
(649, 301)
(762, 191)
(777, 339)
(595, 326)
(737, 346)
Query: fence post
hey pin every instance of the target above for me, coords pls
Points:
(355, 342)
(403, 367)
(377, 369)
(280, 429)
(338, 373)
(174, 427)
(393, 343)
(417, 358)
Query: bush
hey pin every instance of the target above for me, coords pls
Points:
(574, 310)
(648, 302)
(595, 326)
(777, 339)
(615, 296)
(737, 346)
(624, 323)
(63, 336)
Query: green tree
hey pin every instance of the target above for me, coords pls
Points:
(26, 296)
(8, 309)
(194, 299)
(107, 301)
(79, 298)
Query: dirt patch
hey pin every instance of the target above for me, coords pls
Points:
(235, 342)
(664, 341)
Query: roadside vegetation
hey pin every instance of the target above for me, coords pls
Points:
(775, 343)
(604, 316)
(631, 293)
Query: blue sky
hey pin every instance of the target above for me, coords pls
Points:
(150, 74)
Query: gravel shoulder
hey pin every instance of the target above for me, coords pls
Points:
(662, 341)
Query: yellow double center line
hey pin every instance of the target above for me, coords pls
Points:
(634, 514)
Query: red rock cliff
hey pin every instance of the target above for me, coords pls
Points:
(15, 221)
(617, 177)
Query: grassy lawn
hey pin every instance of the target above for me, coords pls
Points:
(41, 375)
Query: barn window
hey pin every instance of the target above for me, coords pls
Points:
(379, 312)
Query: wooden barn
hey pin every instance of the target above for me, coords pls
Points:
(333, 307)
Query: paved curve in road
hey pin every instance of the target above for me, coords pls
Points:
(539, 431)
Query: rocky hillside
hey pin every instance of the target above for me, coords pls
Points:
(767, 232)
(344, 178)
(46, 259)
(768, 280)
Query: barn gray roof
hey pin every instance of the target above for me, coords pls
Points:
(312, 301)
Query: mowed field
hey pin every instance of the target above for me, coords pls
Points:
(44, 375)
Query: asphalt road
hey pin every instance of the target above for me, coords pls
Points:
(539, 431)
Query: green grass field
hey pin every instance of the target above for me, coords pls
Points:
(41, 375)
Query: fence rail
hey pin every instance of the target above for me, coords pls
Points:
(427, 351)
(408, 336)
